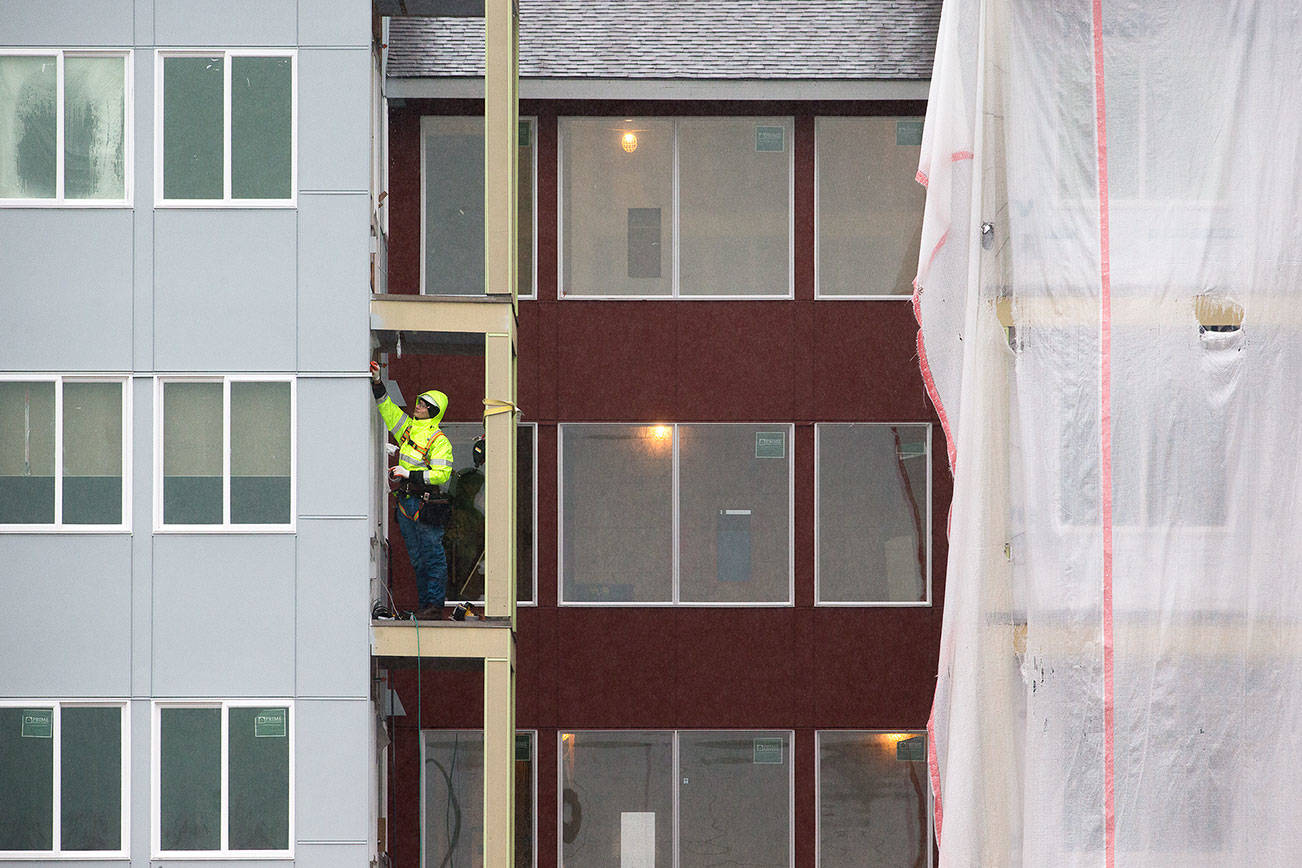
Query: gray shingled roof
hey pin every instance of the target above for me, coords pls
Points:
(685, 39)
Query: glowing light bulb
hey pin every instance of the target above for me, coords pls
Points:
(628, 142)
(661, 432)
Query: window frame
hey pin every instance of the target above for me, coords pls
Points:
(58, 526)
(426, 121)
(929, 796)
(227, 55)
(675, 600)
(125, 776)
(533, 769)
(929, 600)
(676, 781)
(675, 292)
(819, 295)
(155, 782)
(226, 526)
(59, 200)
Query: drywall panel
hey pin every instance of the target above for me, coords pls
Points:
(334, 110)
(334, 22)
(334, 419)
(332, 759)
(65, 625)
(78, 23)
(65, 281)
(331, 621)
(333, 282)
(223, 609)
(222, 23)
(224, 290)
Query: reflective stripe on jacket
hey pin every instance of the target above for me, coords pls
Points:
(421, 445)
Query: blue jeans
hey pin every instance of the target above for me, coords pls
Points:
(425, 548)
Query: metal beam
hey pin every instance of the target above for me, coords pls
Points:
(430, 8)
(472, 87)
(452, 639)
(434, 313)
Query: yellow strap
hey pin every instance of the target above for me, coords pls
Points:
(493, 406)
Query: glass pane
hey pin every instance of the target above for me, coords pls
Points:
(261, 127)
(27, 453)
(260, 453)
(94, 128)
(735, 798)
(734, 513)
(872, 513)
(190, 778)
(27, 778)
(617, 803)
(91, 763)
(872, 799)
(452, 778)
(734, 206)
(192, 453)
(869, 205)
(193, 127)
(259, 778)
(524, 208)
(463, 538)
(92, 453)
(617, 522)
(617, 199)
(27, 127)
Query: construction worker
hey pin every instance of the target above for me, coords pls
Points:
(424, 463)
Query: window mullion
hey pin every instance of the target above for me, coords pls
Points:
(226, 451)
(677, 781)
(674, 515)
(56, 772)
(58, 127)
(225, 778)
(226, 126)
(58, 451)
(674, 288)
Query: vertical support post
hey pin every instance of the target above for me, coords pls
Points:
(499, 477)
(501, 145)
(499, 760)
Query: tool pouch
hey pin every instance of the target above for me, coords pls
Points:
(435, 510)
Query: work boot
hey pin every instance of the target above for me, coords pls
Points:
(429, 613)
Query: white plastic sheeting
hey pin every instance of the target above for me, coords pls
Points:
(1121, 659)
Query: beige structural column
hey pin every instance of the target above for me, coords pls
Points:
(499, 761)
(499, 473)
(501, 145)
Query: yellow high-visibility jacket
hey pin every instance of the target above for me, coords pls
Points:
(422, 447)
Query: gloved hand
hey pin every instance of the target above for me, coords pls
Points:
(396, 473)
(391, 448)
(375, 372)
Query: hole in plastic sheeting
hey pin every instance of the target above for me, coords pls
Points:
(1217, 315)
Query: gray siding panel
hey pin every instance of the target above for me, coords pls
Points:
(334, 143)
(224, 287)
(223, 615)
(334, 22)
(332, 760)
(75, 23)
(333, 293)
(333, 639)
(225, 23)
(332, 855)
(65, 277)
(67, 598)
(334, 418)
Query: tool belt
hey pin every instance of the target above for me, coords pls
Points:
(435, 507)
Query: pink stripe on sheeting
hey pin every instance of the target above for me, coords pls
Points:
(933, 767)
(955, 157)
(1105, 444)
(930, 383)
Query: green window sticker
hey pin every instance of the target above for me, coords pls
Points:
(770, 444)
(270, 723)
(908, 133)
(767, 751)
(38, 723)
(772, 139)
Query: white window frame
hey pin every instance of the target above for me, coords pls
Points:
(124, 797)
(427, 121)
(128, 153)
(160, 381)
(227, 55)
(155, 785)
(675, 294)
(533, 769)
(58, 526)
(929, 796)
(871, 604)
(676, 778)
(676, 595)
(818, 287)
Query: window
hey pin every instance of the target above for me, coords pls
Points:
(463, 539)
(676, 207)
(62, 461)
(665, 798)
(227, 454)
(665, 514)
(222, 774)
(452, 797)
(63, 772)
(227, 127)
(868, 207)
(872, 514)
(65, 127)
(874, 805)
(452, 209)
